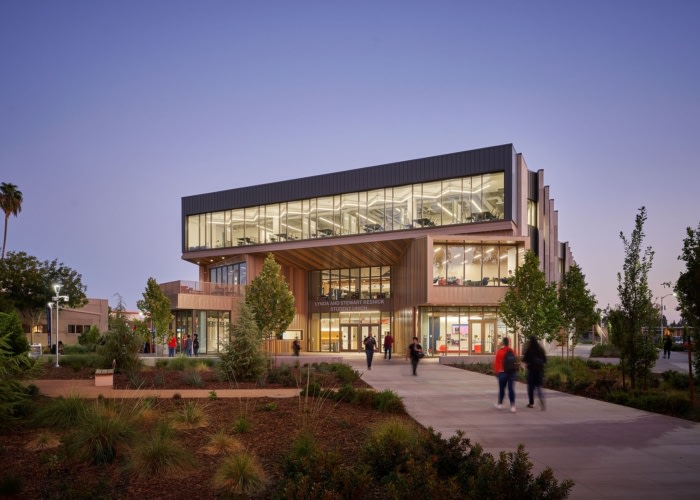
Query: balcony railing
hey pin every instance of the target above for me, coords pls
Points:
(201, 288)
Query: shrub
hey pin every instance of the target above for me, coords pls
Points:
(100, 433)
(388, 447)
(61, 413)
(242, 424)
(159, 454)
(80, 361)
(177, 363)
(241, 474)
(605, 351)
(221, 443)
(388, 401)
(676, 380)
(193, 378)
(345, 373)
(191, 415)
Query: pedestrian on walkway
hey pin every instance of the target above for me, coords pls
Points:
(388, 344)
(667, 346)
(172, 345)
(370, 346)
(296, 347)
(195, 344)
(415, 352)
(503, 368)
(188, 345)
(535, 359)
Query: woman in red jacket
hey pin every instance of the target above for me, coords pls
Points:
(505, 376)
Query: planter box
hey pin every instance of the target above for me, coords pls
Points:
(104, 378)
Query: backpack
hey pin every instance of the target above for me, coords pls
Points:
(510, 362)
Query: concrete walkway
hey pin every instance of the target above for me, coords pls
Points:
(610, 451)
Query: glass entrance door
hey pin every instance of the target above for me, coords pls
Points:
(351, 336)
(349, 340)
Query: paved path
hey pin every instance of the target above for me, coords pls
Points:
(610, 451)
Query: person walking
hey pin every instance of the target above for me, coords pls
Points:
(296, 347)
(172, 345)
(370, 346)
(195, 344)
(188, 345)
(667, 346)
(534, 358)
(388, 345)
(503, 367)
(415, 352)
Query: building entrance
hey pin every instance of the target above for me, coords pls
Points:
(351, 336)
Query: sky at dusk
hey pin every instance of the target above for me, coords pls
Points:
(111, 112)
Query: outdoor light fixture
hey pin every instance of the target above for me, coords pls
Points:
(57, 299)
(661, 320)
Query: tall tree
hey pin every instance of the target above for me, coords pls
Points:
(637, 316)
(243, 358)
(29, 285)
(530, 306)
(11, 204)
(156, 305)
(270, 299)
(577, 305)
(688, 288)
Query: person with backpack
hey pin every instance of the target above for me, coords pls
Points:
(506, 366)
(534, 358)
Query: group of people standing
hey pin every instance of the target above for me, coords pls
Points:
(506, 366)
(190, 346)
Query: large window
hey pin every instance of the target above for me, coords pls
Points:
(230, 274)
(465, 200)
(473, 264)
(351, 284)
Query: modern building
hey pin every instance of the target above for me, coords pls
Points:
(420, 248)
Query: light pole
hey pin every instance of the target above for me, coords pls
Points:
(57, 299)
(661, 319)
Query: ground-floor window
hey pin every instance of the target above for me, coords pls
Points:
(461, 330)
(211, 328)
(345, 331)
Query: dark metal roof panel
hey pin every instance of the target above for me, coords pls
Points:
(461, 164)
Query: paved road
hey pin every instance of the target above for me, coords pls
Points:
(610, 451)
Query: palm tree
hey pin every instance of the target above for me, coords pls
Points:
(11, 204)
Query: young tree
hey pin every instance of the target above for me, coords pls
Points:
(11, 329)
(638, 316)
(270, 300)
(577, 305)
(11, 204)
(90, 338)
(243, 358)
(29, 285)
(530, 305)
(688, 289)
(156, 305)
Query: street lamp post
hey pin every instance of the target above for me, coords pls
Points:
(661, 319)
(57, 299)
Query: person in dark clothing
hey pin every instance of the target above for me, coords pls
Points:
(415, 352)
(667, 346)
(370, 346)
(534, 358)
(296, 347)
(195, 345)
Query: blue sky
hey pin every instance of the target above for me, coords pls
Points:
(111, 112)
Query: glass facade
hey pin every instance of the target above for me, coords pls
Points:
(440, 203)
(210, 326)
(459, 264)
(462, 330)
